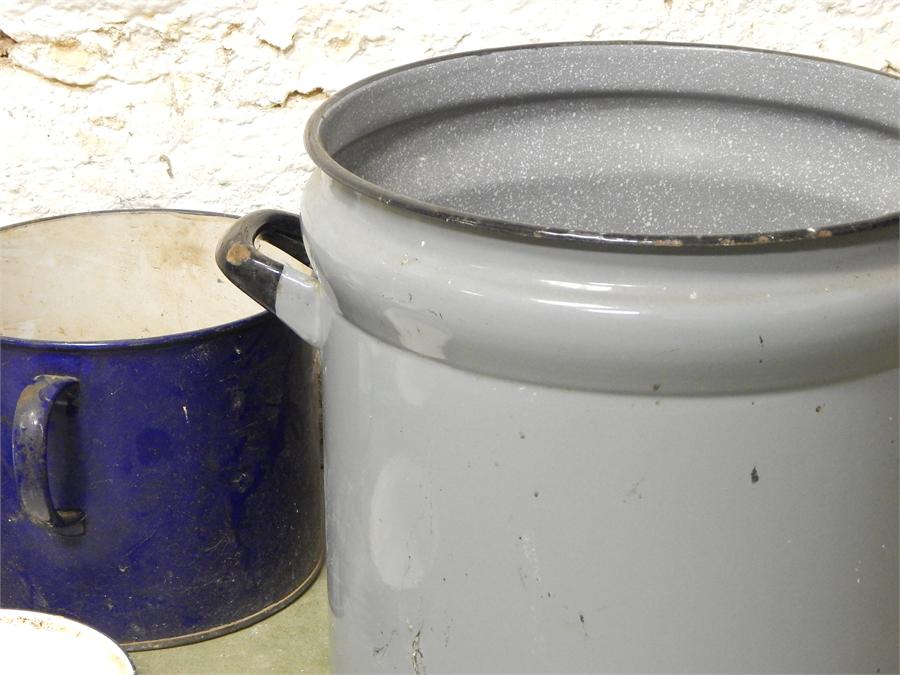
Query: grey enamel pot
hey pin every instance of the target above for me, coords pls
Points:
(610, 345)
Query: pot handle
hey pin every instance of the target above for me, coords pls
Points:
(29, 451)
(291, 294)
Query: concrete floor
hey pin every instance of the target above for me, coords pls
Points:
(294, 640)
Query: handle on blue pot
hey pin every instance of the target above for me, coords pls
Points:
(292, 295)
(29, 444)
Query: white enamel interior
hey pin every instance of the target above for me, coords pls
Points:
(115, 276)
(32, 642)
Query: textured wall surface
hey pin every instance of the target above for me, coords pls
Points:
(202, 103)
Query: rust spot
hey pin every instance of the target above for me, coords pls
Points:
(823, 234)
(238, 254)
(187, 253)
(29, 394)
(668, 242)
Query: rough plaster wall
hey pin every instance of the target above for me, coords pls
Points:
(201, 103)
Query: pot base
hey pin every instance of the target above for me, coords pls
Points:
(225, 629)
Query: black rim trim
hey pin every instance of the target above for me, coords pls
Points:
(574, 238)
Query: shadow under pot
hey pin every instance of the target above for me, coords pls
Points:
(161, 462)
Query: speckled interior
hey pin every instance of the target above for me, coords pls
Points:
(628, 138)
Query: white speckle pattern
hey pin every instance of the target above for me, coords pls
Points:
(635, 139)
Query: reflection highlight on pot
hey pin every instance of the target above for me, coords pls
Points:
(403, 536)
(594, 286)
(590, 307)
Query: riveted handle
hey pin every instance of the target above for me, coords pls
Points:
(30, 426)
(291, 293)
(250, 269)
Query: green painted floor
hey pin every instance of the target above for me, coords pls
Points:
(294, 640)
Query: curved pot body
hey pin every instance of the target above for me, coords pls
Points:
(551, 459)
(631, 455)
(165, 488)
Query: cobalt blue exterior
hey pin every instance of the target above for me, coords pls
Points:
(196, 460)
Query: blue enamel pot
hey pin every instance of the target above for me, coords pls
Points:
(161, 462)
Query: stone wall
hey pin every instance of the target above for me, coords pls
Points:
(201, 103)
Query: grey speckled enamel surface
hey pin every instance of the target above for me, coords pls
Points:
(640, 139)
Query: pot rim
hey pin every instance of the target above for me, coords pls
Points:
(511, 229)
(128, 343)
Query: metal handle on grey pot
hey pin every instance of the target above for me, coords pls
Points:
(29, 445)
(293, 295)
(249, 268)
